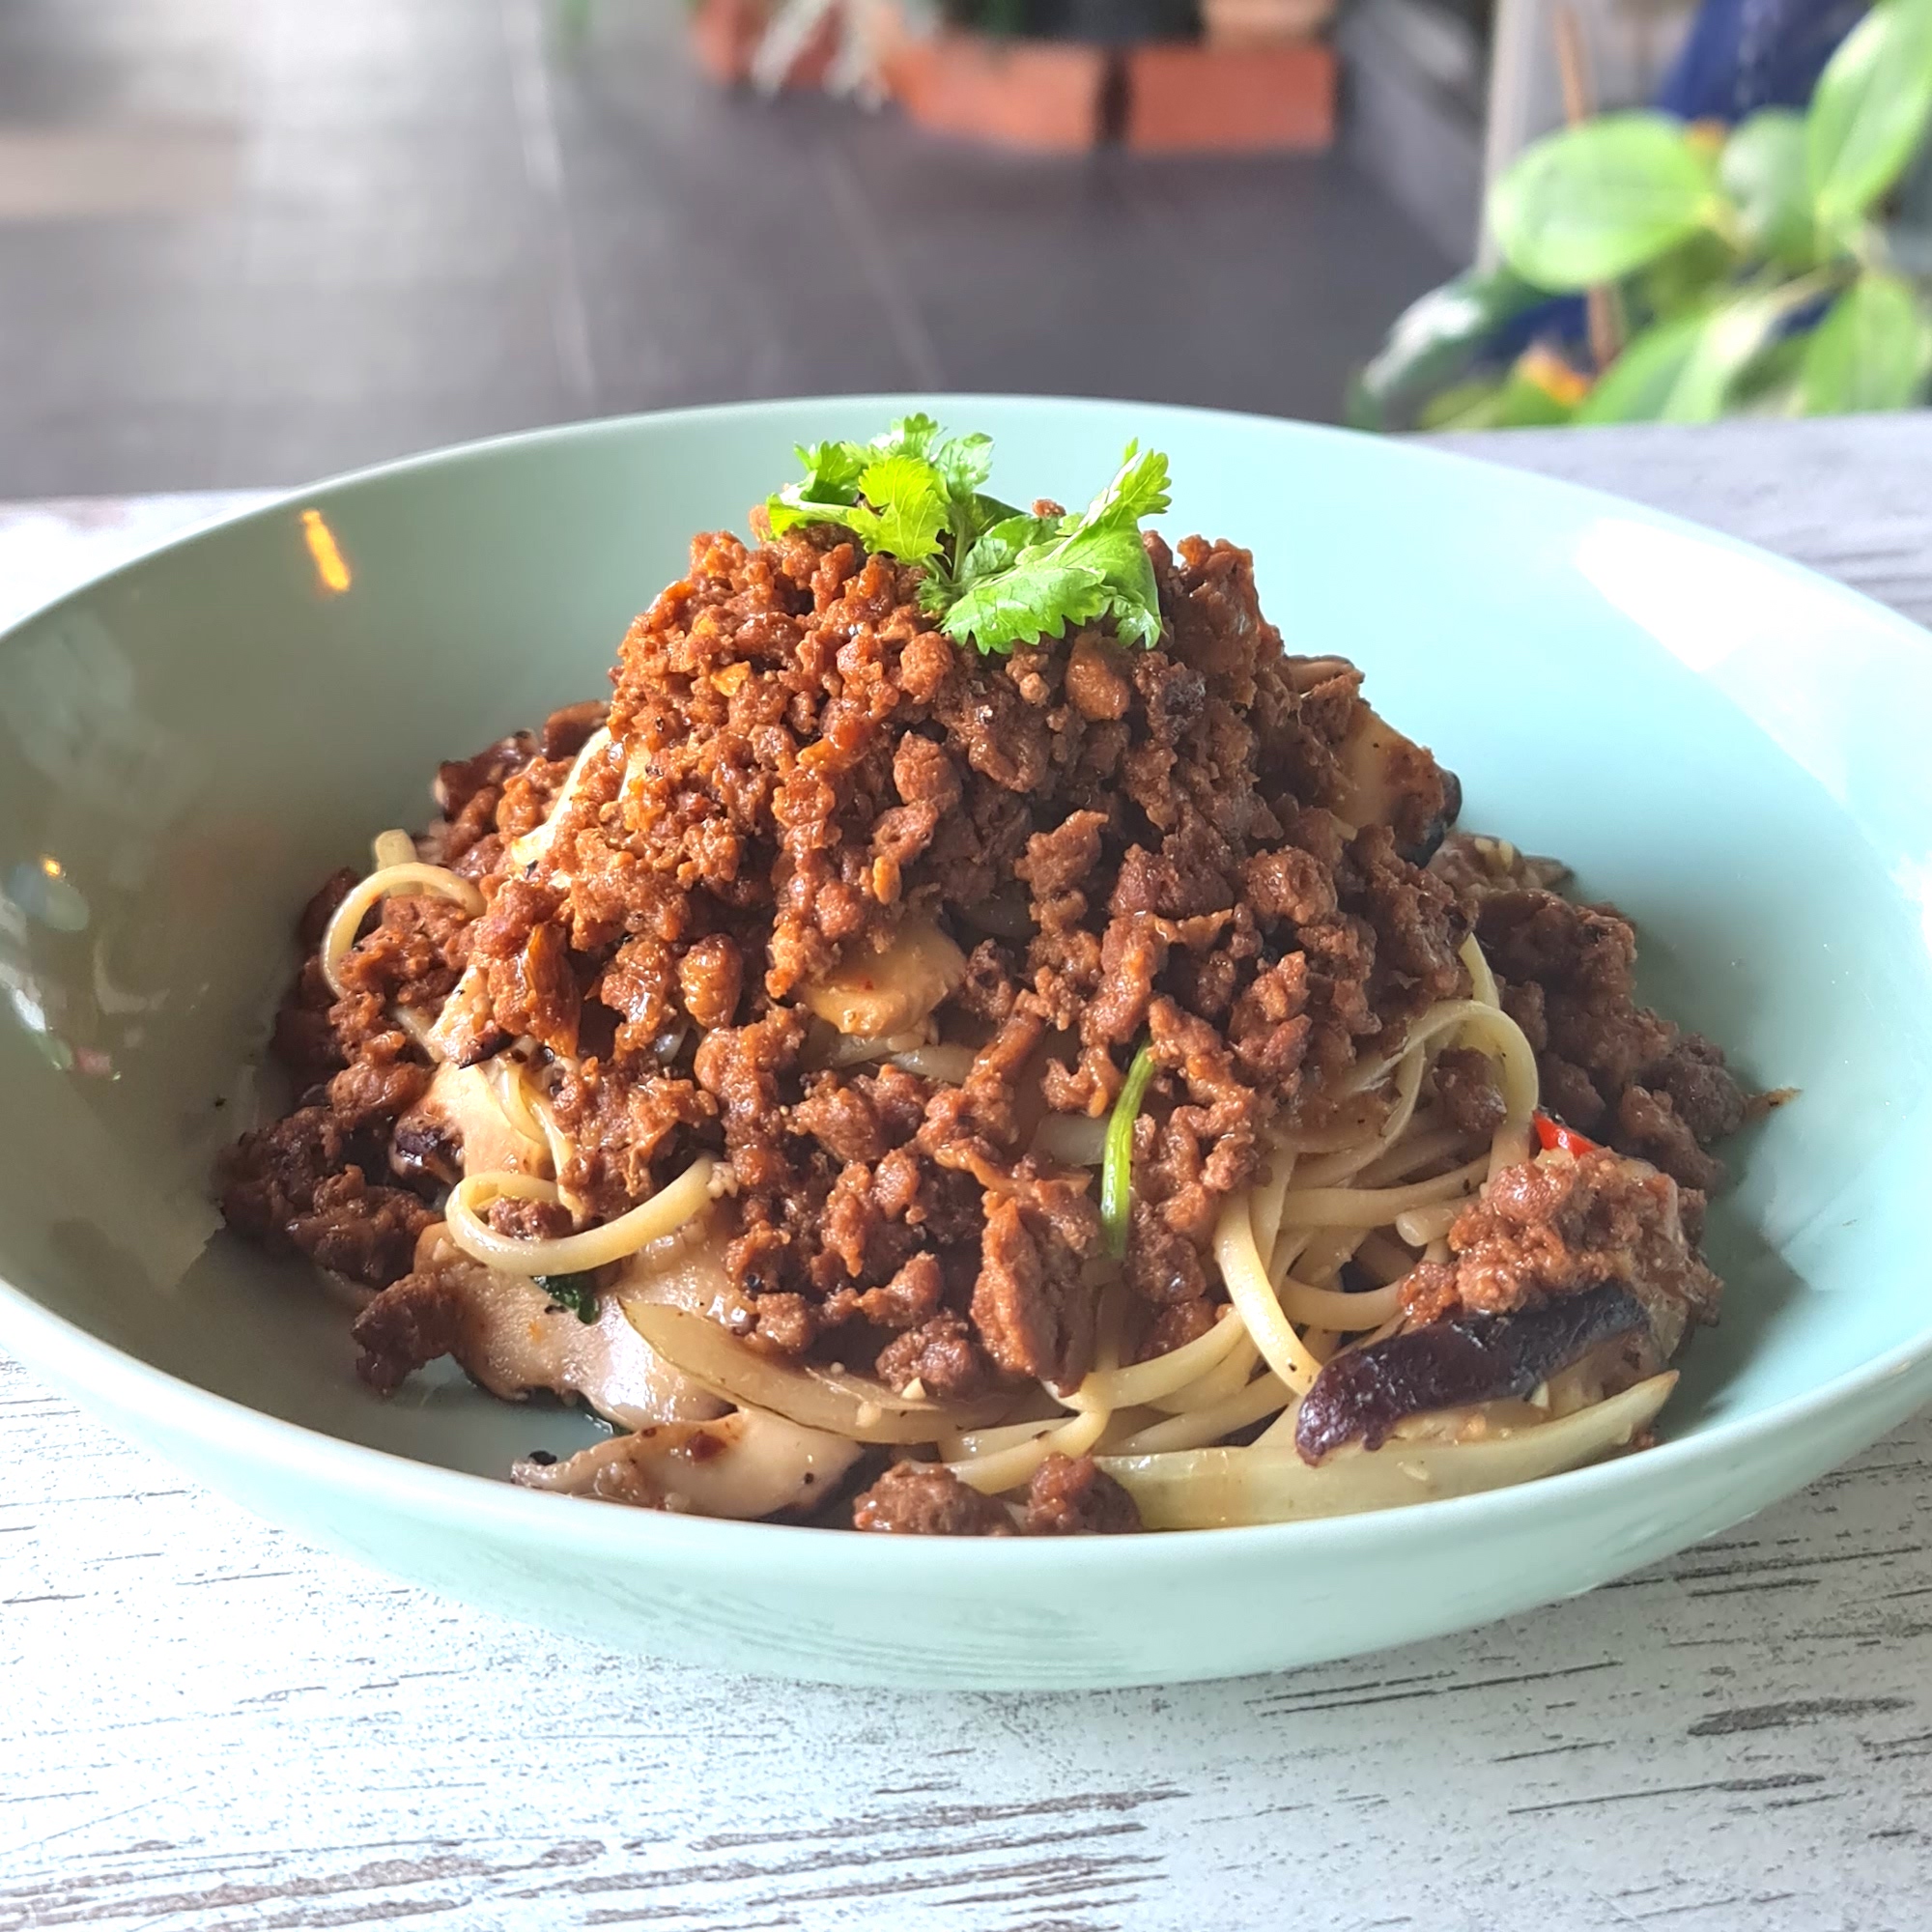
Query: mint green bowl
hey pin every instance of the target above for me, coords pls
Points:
(1730, 748)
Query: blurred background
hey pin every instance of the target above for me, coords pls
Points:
(253, 242)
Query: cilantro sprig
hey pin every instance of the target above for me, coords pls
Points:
(994, 576)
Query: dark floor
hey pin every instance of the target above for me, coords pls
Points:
(256, 240)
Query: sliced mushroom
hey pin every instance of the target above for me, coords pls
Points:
(1390, 780)
(466, 1031)
(1360, 1395)
(858, 1406)
(460, 1124)
(745, 1465)
(512, 1338)
(889, 991)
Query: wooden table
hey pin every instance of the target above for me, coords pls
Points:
(205, 1724)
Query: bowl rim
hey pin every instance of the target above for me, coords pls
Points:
(103, 1377)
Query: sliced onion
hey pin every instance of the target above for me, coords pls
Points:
(1210, 1489)
(945, 1061)
(852, 1406)
(538, 842)
(1070, 1140)
(861, 1049)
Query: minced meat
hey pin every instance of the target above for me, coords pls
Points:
(1608, 1066)
(928, 1500)
(1560, 1225)
(1068, 1495)
(1100, 847)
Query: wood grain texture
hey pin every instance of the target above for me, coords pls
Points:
(204, 1724)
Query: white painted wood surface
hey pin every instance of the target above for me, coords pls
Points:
(203, 1724)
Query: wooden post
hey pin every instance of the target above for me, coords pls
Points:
(1573, 68)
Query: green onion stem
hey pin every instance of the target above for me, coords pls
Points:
(1116, 1171)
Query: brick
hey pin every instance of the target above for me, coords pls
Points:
(1026, 94)
(1192, 99)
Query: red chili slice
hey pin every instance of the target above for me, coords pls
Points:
(1552, 1133)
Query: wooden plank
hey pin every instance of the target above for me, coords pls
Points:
(204, 1724)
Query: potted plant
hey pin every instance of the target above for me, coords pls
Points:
(984, 73)
(1747, 271)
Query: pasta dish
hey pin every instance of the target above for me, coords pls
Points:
(975, 1037)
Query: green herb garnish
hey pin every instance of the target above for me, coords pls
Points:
(995, 575)
(1117, 1169)
(577, 1292)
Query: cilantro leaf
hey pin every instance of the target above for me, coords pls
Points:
(1027, 579)
(830, 485)
(911, 507)
(832, 470)
(993, 576)
(1000, 547)
(785, 511)
(909, 436)
(965, 461)
(1025, 603)
(1139, 490)
(1134, 597)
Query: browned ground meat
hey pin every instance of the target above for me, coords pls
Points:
(1472, 863)
(1557, 1227)
(1123, 846)
(1071, 1495)
(1466, 1084)
(928, 1500)
(414, 1320)
(298, 1184)
(1103, 849)
(1610, 1068)
(366, 1232)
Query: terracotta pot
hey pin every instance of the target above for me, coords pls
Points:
(1247, 23)
(1027, 94)
(1195, 99)
(724, 36)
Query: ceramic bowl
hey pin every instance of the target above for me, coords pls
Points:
(1728, 747)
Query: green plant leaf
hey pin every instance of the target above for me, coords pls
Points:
(1870, 110)
(1526, 402)
(1595, 202)
(1685, 370)
(1691, 276)
(1869, 353)
(1433, 342)
(1470, 405)
(1764, 170)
